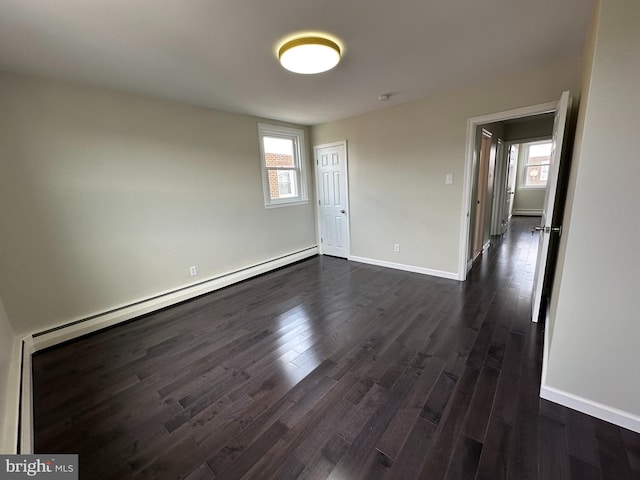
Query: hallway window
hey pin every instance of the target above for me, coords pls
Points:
(536, 164)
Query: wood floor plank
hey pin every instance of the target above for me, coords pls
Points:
(201, 472)
(632, 447)
(614, 460)
(466, 456)
(553, 450)
(413, 453)
(493, 464)
(439, 456)
(250, 456)
(399, 430)
(354, 463)
(481, 405)
(434, 407)
(581, 470)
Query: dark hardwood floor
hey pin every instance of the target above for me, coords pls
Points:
(328, 369)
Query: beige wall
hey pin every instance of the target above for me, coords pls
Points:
(594, 352)
(108, 198)
(536, 127)
(9, 384)
(399, 156)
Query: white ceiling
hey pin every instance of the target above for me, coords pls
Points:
(221, 53)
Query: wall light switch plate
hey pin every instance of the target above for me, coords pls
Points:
(448, 179)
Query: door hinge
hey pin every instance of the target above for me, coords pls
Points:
(319, 202)
(321, 241)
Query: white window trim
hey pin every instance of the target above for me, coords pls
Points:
(297, 135)
(524, 155)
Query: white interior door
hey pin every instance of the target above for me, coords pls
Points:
(333, 200)
(546, 229)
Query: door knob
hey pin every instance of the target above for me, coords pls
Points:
(542, 228)
(342, 211)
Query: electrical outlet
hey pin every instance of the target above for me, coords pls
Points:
(193, 270)
(396, 247)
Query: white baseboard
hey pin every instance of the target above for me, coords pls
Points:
(603, 412)
(26, 398)
(62, 333)
(527, 212)
(407, 268)
(11, 412)
(575, 402)
(486, 246)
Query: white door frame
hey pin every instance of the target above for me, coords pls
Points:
(472, 124)
(317, 191)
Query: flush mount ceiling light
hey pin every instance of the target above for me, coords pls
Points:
(309, 55)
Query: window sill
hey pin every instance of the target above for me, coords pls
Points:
(532, 188)
(286, 204)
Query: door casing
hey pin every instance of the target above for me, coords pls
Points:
(472, 124)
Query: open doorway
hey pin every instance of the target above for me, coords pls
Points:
(555, 171)
(497, 188)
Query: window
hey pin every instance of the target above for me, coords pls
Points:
(286, 184)
(537, 157)
(282, 157)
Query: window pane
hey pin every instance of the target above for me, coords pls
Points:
(544, 173)
(540, 150)
(278, 152)
(539, 154)
(282, 184)
(536, 176)
(286, 183)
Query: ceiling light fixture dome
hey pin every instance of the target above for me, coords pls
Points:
(308, 55)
